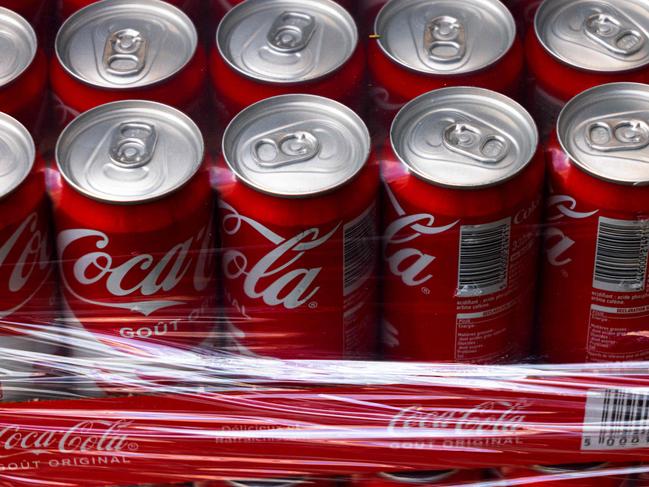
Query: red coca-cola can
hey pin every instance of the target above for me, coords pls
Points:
(29, 9)
(463, 179)
(570, 475)
(133, 211)
(67, 7)
(28, 291)
(421, 45)
(595, 295)
(298, 219)
(430, 478)
(23, 72)
(222, 7)
(127, 49)
(577, 45)
(267, 48)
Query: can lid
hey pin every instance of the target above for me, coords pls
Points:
(296, 145)
(17, 153)
(129, 151)
(287, 41)
(126, 43)
(464, 137)
(605, 131)
(445, 36)
(18, 45)
(595, 35)
(419, 477)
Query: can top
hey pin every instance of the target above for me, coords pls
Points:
(419, 477)
(18, 45)
(17, 153)
(126, 43)
(287, 41)
(129, 151)
(445, 36)
(605, 131)
(296, 145)
(595, 35)
(464, 137)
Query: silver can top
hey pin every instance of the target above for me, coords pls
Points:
(595, 35)
(126, 43)
(464, 137)
(296, 145)
(445, 36)
(129, 151)
(18, 45)
(17, 153)
(605, 131)
(287, 41)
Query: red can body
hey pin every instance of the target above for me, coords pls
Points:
(434, 478)
(307, 482)
(234, 91)
(68, 7)
(552, 82)
(540, 476)
(159, 261)
(32, 10)
(590, 325)
(28, 304)
(184, 91)
(422, 225)
(284, 262)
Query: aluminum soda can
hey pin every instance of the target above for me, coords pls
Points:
(425, 479)
(568, 475)
(576, 45)
(127, 49)
(133, 210)
(267, 48)
(298, 223)
(28, 305)
(463, 180)
(422, 45)
(595, 299)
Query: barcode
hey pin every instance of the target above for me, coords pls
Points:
(484, 258)
(621, 255)
(360, 250)
(616, 419)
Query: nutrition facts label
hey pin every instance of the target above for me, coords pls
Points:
(617, 333)
(484, 337)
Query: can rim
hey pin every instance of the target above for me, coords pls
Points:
(413, 69)
(563, 468)
(108, 106)
(97, 5)
(574, 160)
(32, 154)
(320, 77)
(436, 475)
(491, 93)
(321, 99)
(568, 62)
(32, 33)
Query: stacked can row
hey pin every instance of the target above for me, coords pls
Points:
(306, 241)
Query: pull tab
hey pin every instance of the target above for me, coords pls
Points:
(291, 31)
(125, 52)
(475, 142)
(133, 144)
(608, 31)
(282, 149)
(445, 39)
(618, 134)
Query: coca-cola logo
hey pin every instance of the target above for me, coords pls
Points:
(403, 258)
(557, 243)
(276, 277)
(24, 263)
(88, 267)
(85, 436)
(489, 417)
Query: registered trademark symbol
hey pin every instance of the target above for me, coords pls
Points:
(313, 304)
(425, 290)
(133, 446)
